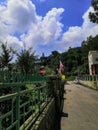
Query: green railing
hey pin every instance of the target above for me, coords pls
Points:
(22, 98)
(90, 81)
(89, 77)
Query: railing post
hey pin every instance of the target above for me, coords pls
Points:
(96, 83)
(18, 107)
(39, 100)
(0, 124)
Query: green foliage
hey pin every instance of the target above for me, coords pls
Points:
(70, 78)
(25, 60)
(94, 15)
(6, 55)
(49, 71)
(75, 60)
(53, 60)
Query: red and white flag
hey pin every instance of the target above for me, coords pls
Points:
(61, 66)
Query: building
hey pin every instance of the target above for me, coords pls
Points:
(93, 62)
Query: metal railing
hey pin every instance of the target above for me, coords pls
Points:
(22, 98)
(89, 77)
(90, 81)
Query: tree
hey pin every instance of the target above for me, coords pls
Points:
(6, 55)
(94, 15)
(25, 60)
(54, 60)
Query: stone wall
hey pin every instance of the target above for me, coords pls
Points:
(47, 119)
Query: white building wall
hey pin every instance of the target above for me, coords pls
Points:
(92, 59)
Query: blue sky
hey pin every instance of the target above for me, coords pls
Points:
(74, 9)
(45, 25)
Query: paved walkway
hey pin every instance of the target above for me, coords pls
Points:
(80, 110)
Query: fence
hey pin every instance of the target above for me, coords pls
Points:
(23, 97)
(90, 81)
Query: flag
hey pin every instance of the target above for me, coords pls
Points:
(61, 66)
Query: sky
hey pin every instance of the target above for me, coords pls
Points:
(45, 25)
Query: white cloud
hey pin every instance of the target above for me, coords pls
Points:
(51, 24)
(71, 37)
(14, 42)
(46, 31)
(19, 24)
(22, 14)
(89, 28)
(75, 35)
(16, 19)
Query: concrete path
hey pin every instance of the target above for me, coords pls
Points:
(80, 110)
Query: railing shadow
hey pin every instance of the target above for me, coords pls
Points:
(59, 117)
(58, 94)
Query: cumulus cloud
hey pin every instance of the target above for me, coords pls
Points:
(75, 35)
(16, 19)
(89, 28)
(72, 37)
(21, 15)
(20, 24)
(14, 42)
(46, 31)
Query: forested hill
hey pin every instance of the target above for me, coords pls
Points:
(75, 60)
